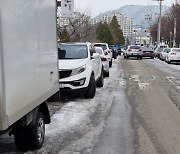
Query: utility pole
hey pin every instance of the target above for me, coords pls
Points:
(159, 20)
(174, 38)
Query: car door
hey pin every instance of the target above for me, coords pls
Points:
(166, 54)
(94, 61)
(99, 62)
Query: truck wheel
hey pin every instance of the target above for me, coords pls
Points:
(90, 93)
(27, 138)
(37, 132)
(100, 81)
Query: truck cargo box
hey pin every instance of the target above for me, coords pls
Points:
(28, 57)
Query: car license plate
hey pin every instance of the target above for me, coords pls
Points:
(61, 85)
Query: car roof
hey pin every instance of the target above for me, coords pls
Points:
(101, 43)
(74, 43)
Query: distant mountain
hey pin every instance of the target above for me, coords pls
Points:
(138, 13)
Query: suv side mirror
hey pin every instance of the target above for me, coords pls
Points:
(105, 53)
(95, 56)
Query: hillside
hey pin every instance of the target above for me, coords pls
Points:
(138, 13)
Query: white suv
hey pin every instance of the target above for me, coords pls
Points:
(80, 68)
(107, 51)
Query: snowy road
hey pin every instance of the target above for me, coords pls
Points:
(154, 95)
(78, 122)
(133, 113)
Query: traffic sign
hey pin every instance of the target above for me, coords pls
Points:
(67, 8)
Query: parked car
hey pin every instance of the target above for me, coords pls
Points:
(159, 49)
(114, 51)
(105, 61)
(164, 53)
(148, 52)
(119, 49)
(173, 55)
(133, 51)
(106, 49)
(80, 68)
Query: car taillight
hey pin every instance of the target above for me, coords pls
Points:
(106, 51)
(129, 49)
(173, 53)
(104, 59)
(140, 50)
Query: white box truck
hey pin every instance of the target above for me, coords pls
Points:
(28, 69)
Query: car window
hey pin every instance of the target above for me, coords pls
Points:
(163, 46)
(111, 47)
(147, 49)
(103, 46)
(134, 47)
(72, 52)
(176, 50)
(166, 50)
(92, 50)
(160, 49)
(99, 50)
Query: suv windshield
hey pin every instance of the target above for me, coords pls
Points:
(72, 52)
(101, 45)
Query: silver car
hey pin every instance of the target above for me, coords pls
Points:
(173, 55)
(105, 61)
(164, 53)
(133, 51)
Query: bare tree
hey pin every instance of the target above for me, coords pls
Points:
(80, 28)
(167, 25)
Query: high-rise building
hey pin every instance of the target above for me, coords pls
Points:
(124, 22)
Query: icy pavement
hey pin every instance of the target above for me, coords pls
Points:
(75, 128)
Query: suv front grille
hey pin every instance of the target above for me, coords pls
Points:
(64, 73)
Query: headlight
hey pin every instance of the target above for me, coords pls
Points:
(78, 70)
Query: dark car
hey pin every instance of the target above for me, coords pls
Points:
(114, 51)
(148, 52)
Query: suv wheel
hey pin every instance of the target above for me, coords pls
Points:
(100, 81)
(106, 74)
(110, 63)
(91, 90)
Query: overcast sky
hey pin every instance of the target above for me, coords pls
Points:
(99, 6)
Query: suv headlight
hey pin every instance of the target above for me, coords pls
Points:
(78, 70)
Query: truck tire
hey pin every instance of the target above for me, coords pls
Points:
(91, 90)
(31, 138)
(100, 81)
(37, 132)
